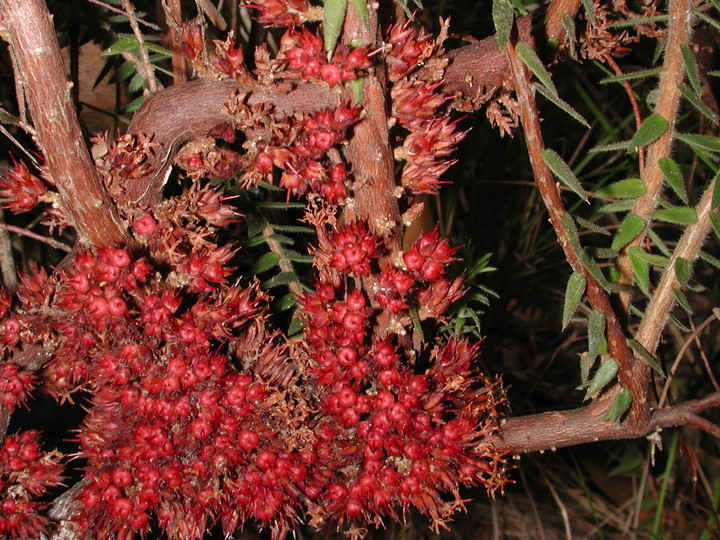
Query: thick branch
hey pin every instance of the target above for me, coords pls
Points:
(368, 150)
(39, 69)
(177, 114)
(633, 373)
(557, 429)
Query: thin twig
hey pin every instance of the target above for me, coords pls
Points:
(561, 506)
(703, 423)
(667, 106)
(634, 374)
(284, 263)
(173, 18)
(129, 15)
(680, 355)
(635, 107)
(40, 238)
(656, 314)
(146, 67)
(7, 261)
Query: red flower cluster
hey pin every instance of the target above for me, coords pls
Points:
(15, 384)
(26, 473)
(394, 436)
(306, 59)
(354, 249)
(282, 12)
(20, 190)
(416, 102)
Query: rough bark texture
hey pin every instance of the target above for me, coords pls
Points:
(177, 114)
(39, 69)
(557, 429)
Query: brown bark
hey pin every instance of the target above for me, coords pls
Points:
(557, 429)
(634, 374)
(39, 68)
(177, 114)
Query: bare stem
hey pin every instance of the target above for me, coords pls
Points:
(633, 373)
(656, 314)
(557, 429)
(40, 71)
(145, 67)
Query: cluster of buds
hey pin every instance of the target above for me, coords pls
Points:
(396, 436)
(26, 474)
(15, 384)
(416, 102)
(20, 190)
(284, 12)
(301, 157)
(306, 59)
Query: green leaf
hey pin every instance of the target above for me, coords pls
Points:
(304, 229)
(715, 201)
(623, 205)
(630, 227)
(691, 68)
(560, 104)
(572, 233)
(705, 256)
(712, 22)
(642, 74)
(605, 373)
(624, 189)
(568, 24)
(682, 300)
(594, 270)
(640, 20)
(276, 205)
(641, 269)
(715, 220)
(673, 176)
(683, 271)
(333, 17)
(573, 294)
(702, 142)
(596, 332)
(503, 15)
(646, 356)
(650, 258)
(125, 44)
(589, 6)
(533, 62)
(589, 225)
(265, 262)
(586, 364)
(283, 278)
(612, 147)
(134, 105)
(361, 9)
(682, 215)
(653, 126)
(697, 102)
(7, 118)
(619, 406)
(563, 172)
(137, 82)
(658, 242)
(286, 302)
(357, 86)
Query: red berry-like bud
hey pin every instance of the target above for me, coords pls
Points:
(200, 429)
(144, 225)
(248, 440)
